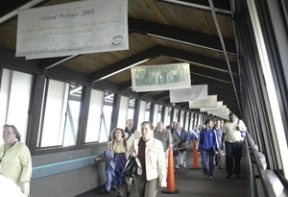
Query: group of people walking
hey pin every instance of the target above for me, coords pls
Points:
(214, 138)
(150, 149)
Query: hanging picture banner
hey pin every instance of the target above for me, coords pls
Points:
(160, 77)
(74, 28)
(195, 92)
(209, 102)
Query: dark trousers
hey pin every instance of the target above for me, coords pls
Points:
(233, 157)
(146, 188)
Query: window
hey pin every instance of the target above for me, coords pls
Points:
(123, 109)
(54, 113)
(14, 100)
(94, 118)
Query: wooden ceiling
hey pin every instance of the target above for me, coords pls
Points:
(161, 31)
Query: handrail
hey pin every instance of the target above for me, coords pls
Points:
(271, 184)
(253, 191)
(62, 166)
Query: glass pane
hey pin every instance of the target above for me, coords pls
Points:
(123, 109)
(71, 127)
(54, 115)
(130, 114)
(94, 117)
(14, 100)
(106, 123)
(141, 115)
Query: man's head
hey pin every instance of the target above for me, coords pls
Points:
(232, 117)
(218, 123)
(208, 123)
(173, 125)
(178, 126)
(160, 126)
(130, 123)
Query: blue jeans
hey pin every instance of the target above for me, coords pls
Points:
(110, 175)
(208, 162)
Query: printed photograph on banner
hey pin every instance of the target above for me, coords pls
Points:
(160, 77)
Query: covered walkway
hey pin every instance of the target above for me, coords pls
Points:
(190, 183)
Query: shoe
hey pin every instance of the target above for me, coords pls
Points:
(113, 189)
(104, 192)
(184, 164)
(228, 176)
(238, 176)
(177, 166)
(128, 194)
(220, 168)
(210, 178)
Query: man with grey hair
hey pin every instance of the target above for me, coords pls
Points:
(131, 132)
(182, 134)
(165, 137)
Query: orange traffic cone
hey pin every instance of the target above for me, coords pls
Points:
(195, 165)
(170, 189)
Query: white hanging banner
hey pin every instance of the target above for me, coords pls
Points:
(221, 110)
(209, 102)
(160, 77)
(74, 28)
(195, 92)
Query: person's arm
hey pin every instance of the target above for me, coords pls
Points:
(242, 126)
(131, 152)
(222, 141)
(99, 158)
(200, 142)
(216, 142)
(26, 163)
(170, 140)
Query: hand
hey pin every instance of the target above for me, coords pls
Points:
(134, 154)
(216, 153)
(199, 153)
(22, 186)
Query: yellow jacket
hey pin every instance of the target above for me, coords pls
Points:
(16, 164)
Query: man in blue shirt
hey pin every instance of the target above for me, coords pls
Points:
(208, 146)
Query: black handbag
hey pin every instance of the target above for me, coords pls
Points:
(130, 169)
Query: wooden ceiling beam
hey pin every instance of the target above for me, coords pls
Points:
(213, 73)
(180, 35)
(123, 64)
(199, 59)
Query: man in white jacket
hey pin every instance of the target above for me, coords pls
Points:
(150, 158)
